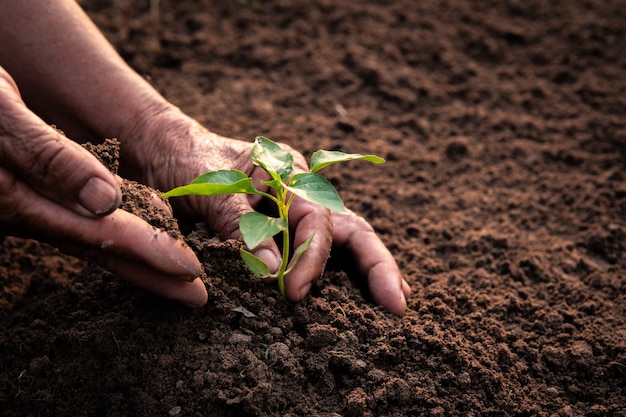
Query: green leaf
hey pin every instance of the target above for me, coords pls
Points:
(321, 158)
(301, 249)
(316, 189)
(223, 176)
(275, 184)
(257, 266)
(272, 158)
(214, 183)
(256, 228)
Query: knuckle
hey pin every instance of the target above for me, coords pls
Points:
(363, 225)
(40, 154)
(8, 88)
(9, 198)
(8, 183)
(51, 161)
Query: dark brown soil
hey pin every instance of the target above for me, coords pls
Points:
(503, 200)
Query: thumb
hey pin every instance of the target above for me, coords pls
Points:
(49, 162)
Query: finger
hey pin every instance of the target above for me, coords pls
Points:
(374, 261)
(406, 289)
(126, 235)
(50, 163)
(159, 203)
(151, 196)
(190, 293)
(308, 219)
(119, 233)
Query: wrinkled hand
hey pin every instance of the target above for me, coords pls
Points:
(180, 149)
(53, 190)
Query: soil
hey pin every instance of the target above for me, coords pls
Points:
(503, 200)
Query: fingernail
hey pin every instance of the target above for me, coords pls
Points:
(194, 295)
(402, 304)
(99, 197)
(195, 271)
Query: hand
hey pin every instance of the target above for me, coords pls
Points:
(374, 261)
(180, 149)
(53, 190)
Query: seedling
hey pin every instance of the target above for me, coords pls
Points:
(282, 188)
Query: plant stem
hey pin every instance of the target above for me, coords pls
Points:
(284, 262)
(283, 210)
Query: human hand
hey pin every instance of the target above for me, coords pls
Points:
(181, 149)
(53, 190)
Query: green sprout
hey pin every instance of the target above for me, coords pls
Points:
(256, 227)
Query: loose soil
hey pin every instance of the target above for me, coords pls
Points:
(503, 200)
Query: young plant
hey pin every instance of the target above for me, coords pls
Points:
(283, 187)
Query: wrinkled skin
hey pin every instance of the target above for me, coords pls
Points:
(53, 190)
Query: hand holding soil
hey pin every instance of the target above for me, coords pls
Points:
(174, 148)
(282, 187)
(56, 192)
